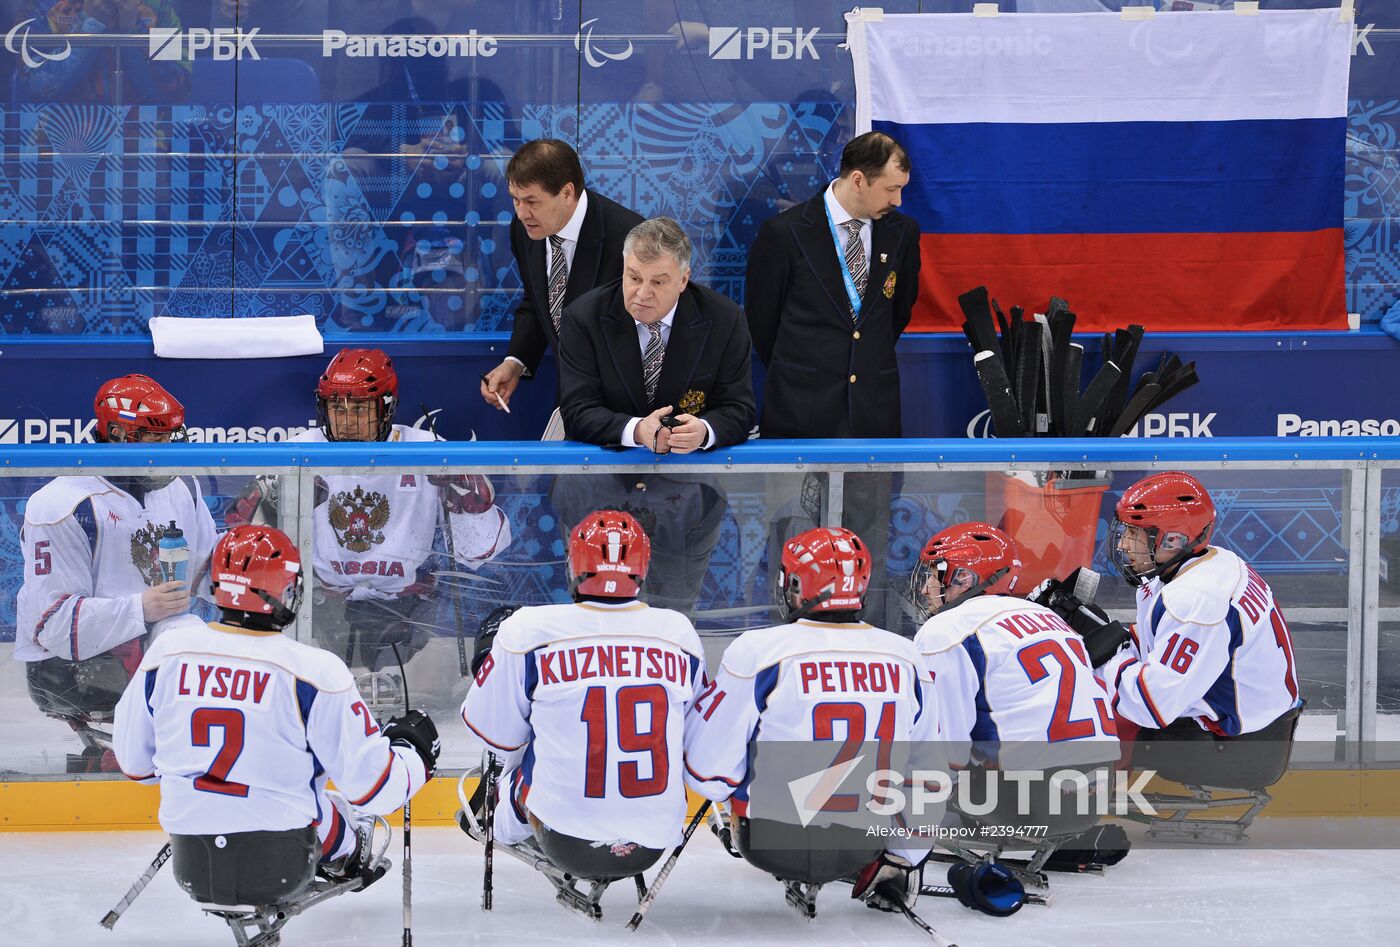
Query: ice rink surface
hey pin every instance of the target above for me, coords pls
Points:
(58, 886)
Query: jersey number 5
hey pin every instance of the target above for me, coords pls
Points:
(231, 722)
(630, 739)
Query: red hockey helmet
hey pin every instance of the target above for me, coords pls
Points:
(359, 375)
(1171, 508)
(140, 407)
(608, 555)
(826, 569)
(257, 570)
(976, 556)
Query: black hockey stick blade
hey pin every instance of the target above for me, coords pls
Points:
(971, 335)
(1028, 386)
(1184, 379)
(1087, 415)
(1069, 391)
(1047, 402)
(976, 306)
(1136, 407)
(1008, 342)
(644, 904)
(1123, 356)
(997, 387)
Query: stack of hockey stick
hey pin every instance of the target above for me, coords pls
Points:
(1032, 373)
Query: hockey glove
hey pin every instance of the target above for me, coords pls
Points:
(256, 503)
(464, 493)
(1102, 635)
(888, 882)
(987, 887)
(416, 730)
(486, 634)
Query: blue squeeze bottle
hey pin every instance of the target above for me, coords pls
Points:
(174, 554)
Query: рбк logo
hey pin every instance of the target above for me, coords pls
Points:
(583, 41)
(782, 42)
(172, 45)
(33, 58)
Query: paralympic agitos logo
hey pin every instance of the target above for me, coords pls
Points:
(17, 42)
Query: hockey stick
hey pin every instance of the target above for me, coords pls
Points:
(997, 387)
(1087, 411)
(1137, 406)
(1028, 384)
(491, 774)
(115, 914)
(407, 821)
(645, 903)
(946, 891)
(923, 925)
(1068, 395)
(1174, 386)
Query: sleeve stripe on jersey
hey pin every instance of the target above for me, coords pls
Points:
(73, 627)
(712, 779)
(383, 778)
(306, 699)
(1118, 683)
(49, 613)
(499, 746)
(334, 835)
(1147, 699)
(150, 686)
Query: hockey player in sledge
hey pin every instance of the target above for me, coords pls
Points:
(1015, 692)
(373, 534)
(822, 676)
(241, 726)
(96, 583)
(1207, 679)
(582, 705)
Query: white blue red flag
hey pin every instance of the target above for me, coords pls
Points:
(1183, 171)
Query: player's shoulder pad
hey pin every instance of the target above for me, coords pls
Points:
(678, 627)
(57, 499)
(319, 668)
(405, 434)
(177, 633)
(1200, 593)
(528, 627)
(952, 626)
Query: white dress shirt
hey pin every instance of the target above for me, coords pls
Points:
(643, 340)
(840, 215)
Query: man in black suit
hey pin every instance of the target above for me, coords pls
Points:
(566, 240)
(831, 286)
(648, 347)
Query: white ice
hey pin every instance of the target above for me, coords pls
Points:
(57, 886)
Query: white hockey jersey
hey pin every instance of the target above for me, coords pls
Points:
(802, 682)
(241, 728)
(90, 549)
(1014, 686)
(590, 700)
(1210, 644)
(373, 531)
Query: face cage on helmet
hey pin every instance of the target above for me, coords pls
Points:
(179, 435)
(386, 414)
(924, 570)
(1120, 559)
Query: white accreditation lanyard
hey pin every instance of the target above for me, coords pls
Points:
(851, 293)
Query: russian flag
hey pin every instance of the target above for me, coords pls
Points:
(1183, 171)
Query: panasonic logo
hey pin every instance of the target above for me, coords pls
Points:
(82, 430)
(1293, 424)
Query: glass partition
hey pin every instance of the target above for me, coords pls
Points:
(419, 554)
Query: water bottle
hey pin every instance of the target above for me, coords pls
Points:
(174, 554)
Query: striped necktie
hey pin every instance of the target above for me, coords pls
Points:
(651, 361)
(855, 257)
(558, 278)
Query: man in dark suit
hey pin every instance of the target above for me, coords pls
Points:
(831, 286)
(566, 240)
(648, 347)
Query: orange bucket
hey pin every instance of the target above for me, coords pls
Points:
(1054, 524)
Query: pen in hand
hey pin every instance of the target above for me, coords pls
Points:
(497, 395)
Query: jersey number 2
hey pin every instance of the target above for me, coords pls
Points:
(629, 740)
(1032, 660)
(231, 722)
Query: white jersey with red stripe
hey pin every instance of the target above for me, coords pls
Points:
(586, 702)
(242, 728)
(802, 682)
(1210, 644)
(372, 532)
(1008, 672)
(90, 549)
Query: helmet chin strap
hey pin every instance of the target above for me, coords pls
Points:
(976, 590)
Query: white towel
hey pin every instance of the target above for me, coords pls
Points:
(261, 337)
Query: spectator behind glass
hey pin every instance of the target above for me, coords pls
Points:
(107, 74)
(421, 127)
